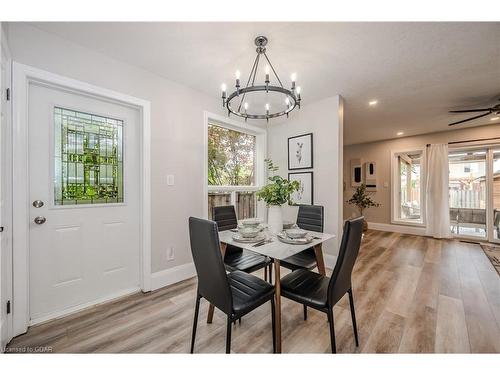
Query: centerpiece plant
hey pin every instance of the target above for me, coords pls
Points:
(276, 193)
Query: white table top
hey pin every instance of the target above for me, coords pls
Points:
(275, 249)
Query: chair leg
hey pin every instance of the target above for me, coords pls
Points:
(271, 273)
(305, 312)
(353, 316)
(265, 273)
(332, 330)
(273, 323)
(228, 336)
(195, 323)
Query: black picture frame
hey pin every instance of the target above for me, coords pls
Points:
(310, 195)
(311, 154)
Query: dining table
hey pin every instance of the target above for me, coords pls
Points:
(277, 250)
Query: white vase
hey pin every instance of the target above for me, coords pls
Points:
(275, 219)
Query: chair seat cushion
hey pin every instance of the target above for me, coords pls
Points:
(248, 291)
(245, 261)
(306, 287)
(305, 259)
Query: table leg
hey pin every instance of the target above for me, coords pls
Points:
(277, 285)
(211, 307)
(318, 251)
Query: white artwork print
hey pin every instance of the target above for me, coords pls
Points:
(300, 152)
(305, 193)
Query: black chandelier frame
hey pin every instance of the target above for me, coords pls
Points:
(293, 96)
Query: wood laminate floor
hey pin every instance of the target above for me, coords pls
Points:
(412, 295)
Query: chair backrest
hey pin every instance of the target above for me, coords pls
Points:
(311, 218)
(340, 282)
(205, 248)
(225, 217)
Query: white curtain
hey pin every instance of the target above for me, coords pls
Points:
(437, 213)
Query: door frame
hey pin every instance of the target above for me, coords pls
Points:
(23, 76)
(6, 196)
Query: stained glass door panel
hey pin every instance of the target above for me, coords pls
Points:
(88, 158)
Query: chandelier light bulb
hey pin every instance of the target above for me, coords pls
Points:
(298, 90)
(287, 101)
(246, 106)
(267, 69)
(294, 77)
(223, 87)
(267, 107)
(237, 74)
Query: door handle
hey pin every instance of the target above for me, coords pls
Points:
(40, 220)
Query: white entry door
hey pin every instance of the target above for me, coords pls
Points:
(84, 199)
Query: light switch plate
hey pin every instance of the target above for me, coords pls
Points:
(170, 180)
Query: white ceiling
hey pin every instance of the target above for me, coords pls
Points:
(416, 71)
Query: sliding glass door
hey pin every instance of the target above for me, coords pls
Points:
(474, 193)
(495, 195)
(468, 193)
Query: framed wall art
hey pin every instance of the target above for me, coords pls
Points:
(305, 194)
(300, 151)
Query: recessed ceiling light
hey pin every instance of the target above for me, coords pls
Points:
(399, 133)
(494, 118)
(373, 102)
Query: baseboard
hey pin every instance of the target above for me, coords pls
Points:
(406, 229)
(173, 275)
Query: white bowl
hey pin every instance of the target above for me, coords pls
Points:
(296, 233)
(250, 222)
(248, 232)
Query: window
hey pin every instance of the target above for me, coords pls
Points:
(232, 167)
(407, 171)
(88, 158)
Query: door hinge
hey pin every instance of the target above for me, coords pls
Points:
(7, 93)
(8, 307)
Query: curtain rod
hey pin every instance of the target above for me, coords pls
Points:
(470, 140)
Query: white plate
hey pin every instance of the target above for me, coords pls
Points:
(258, 238)
(299, 241)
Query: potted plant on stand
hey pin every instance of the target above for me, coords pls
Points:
(362, 201)
(276, 193)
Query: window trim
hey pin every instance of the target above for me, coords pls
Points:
(260, 154)
(395, 188)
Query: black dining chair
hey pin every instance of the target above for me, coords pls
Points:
(321, 292)
(236, 258)
(308, 218)
(237, 293)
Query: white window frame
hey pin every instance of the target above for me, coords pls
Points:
(395, 188)
(260, 154)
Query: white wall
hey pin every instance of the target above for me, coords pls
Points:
(325, 120)
(176, 129)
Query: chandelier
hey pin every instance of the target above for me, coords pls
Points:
(236, 103)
